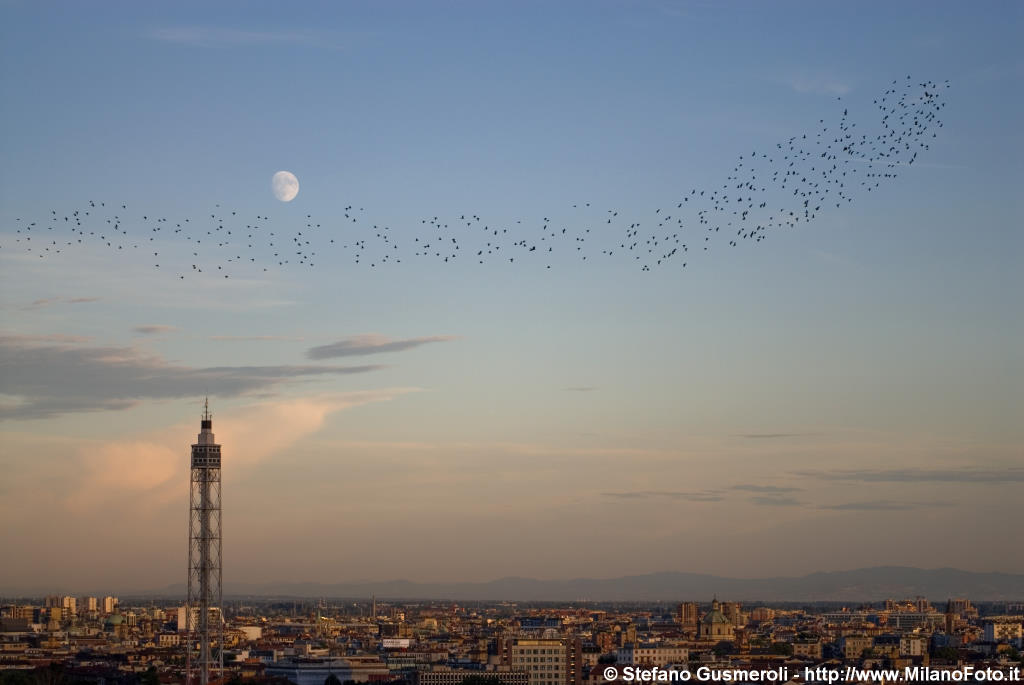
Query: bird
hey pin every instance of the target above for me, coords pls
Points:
(784, 185)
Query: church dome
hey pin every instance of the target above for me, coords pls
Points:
(714, 616)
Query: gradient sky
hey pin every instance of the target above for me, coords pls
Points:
(844, 394)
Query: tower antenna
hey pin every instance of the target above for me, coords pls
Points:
(204, 611)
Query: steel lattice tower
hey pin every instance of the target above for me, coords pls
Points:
(203, 609)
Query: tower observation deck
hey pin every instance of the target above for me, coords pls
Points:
(203, 605)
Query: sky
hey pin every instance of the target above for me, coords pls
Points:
(846, 393)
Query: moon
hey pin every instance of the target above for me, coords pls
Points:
(285, 186)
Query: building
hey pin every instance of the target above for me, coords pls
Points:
(1002, 631)
(714, 626)
(807, 647)
(762, 614)
(548, 661)
(168, 640)
(887, 646)
(854, 646)
(442, 675)
(652, 654)
(183, 612)
(734, 612)
(688, 615)
(25, 611)
(12, 625)
(913, 645)
(252, 633)
(109, 605)
(314, 671)
(962, 607)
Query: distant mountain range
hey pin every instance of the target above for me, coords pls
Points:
(866, 584)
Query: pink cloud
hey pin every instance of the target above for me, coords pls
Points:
(151, 470)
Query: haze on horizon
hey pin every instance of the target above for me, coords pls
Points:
(845, 394)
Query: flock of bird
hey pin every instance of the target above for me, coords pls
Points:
(789, 183)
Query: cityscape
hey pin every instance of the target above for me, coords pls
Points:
(310, 642)
(511, 342)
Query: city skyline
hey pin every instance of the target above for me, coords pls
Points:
(441, 643)
(845, 394)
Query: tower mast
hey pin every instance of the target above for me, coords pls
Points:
(204, 614)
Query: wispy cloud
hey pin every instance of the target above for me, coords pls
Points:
(775, 501)
(580, 388)
(50, 301)
(50, 379)
(770, 436)
(45, 338)
(250, 338)
(359, 345)
(153, 329)
(1010, 474)
(212, 36)
(878, 505)
(768, 489)
(705, 496)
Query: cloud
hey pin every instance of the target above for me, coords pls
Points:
(249, 338)
(50, 301)
(768, 436)
(775, 501)
(44, 338)
(47, 380)
(359, 345)
(580, 388)
(209, 36)
(150, 467)
(765, 488)
(706, 496)
(878, 505)
(1010, 474)
(153, 329)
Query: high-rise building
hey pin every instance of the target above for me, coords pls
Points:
(1002, 630)
(203, 611)
(688, 615)
(109, 604)
(959, 606)
(25, 611)
(734, 612)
